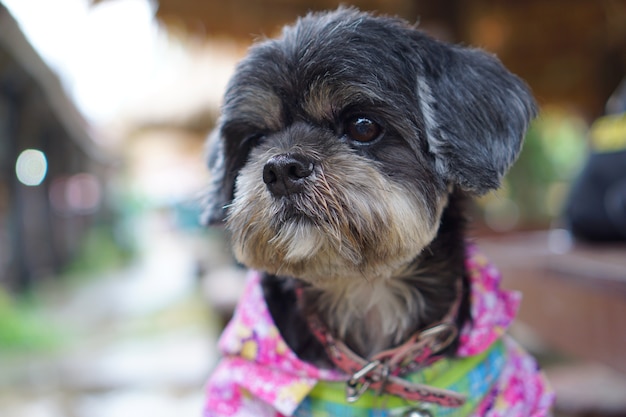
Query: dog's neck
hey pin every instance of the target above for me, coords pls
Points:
(370, 317)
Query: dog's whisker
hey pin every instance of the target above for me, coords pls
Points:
(364, 276)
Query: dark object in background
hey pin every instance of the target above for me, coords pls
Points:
(596, 209)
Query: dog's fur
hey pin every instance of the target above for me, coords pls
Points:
(373, 232)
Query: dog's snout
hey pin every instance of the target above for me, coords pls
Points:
(285, 174)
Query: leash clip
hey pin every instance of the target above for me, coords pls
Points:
(355, 388)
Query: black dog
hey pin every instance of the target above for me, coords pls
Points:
(341, 165)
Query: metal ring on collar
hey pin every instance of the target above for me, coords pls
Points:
(436, 332)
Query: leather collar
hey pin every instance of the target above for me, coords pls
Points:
(382, 373)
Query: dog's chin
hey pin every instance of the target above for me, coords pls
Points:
(365, 236)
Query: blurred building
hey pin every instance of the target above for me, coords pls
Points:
(50, 167)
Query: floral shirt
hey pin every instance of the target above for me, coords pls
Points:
(259, 375)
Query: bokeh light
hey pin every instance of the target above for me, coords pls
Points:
(31, 167)
(77, 194)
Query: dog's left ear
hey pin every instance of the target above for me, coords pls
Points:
(475, 114)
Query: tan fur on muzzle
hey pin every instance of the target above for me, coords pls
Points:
(351, 221)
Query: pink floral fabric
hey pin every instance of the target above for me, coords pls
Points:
(492, 308)
(259, 376)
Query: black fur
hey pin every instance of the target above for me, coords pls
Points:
(453, 120)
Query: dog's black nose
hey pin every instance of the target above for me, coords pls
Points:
(285, 174)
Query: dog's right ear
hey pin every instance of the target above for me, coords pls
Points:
(220, 191)
(226, 155)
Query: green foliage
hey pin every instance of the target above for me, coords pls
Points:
(100, 251)
(553, 152)
(22, 329)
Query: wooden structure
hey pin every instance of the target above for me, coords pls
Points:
(574, 299)
(36, 239)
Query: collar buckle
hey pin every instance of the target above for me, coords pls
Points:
(354, 391)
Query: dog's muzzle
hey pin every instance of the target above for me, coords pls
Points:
(285, 174)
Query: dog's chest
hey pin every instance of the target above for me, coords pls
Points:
(370, 316)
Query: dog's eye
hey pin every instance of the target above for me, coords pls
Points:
(362, 129)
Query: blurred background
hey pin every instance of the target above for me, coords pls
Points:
(112, 295)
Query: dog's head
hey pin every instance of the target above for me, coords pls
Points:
(340, 141)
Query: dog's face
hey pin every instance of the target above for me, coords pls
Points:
(340, 141)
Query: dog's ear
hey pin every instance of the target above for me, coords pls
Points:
(220, 191)
(475, 114)
(226, 155)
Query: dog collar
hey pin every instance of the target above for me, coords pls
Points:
(475, 376)
(382, 373)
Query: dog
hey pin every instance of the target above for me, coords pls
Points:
(342, 164)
